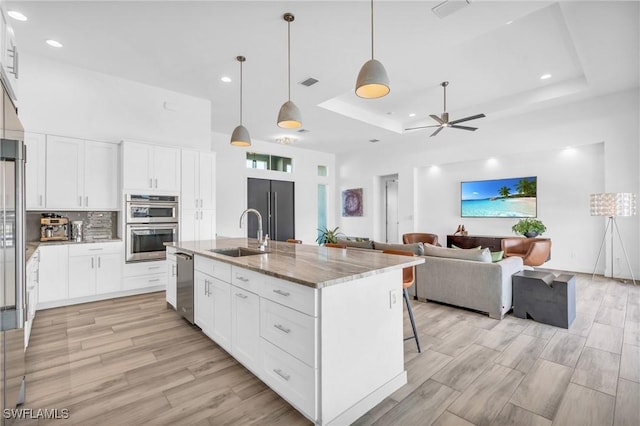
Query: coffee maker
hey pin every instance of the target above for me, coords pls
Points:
(54, 227)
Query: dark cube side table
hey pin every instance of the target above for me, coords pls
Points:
(544, 297)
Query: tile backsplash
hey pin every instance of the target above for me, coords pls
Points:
(95, 225)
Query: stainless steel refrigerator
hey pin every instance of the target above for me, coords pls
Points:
(12, 257)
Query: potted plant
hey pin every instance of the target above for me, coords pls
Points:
(327, 235)
(529, 227)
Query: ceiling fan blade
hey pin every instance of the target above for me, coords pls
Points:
(437, 131)
(463, 127)
(435, 117)
(473, 117)
(422, 127)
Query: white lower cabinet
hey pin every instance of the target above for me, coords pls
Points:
(245, 327)
(145, 275)
(273, 327)
(95, 268)
(212, 304)
(32, 278)
(172, 277)
(54, 273)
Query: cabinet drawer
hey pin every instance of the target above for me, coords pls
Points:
(215, 268)
(144, 268)
(296, 296)
(290, 330)
(144, 281)
(292, 379)
(246, 279)
(88, 249)
(171, 253)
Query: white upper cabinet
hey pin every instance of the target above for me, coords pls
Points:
(197, 196)
(35, 170)
(65, 180)
(9, 54)
(81, 175)
(101, 175)
(150, 168)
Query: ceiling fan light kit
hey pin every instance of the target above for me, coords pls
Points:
(240, 135)
(443, 120)
(372, 81)
(289, 116)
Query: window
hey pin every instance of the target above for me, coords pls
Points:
(269, 162)
(322, 171)
(322, 207)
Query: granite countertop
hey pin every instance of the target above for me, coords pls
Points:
(32, 246)
(310, 265)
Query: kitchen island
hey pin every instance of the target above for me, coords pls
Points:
(323, 327)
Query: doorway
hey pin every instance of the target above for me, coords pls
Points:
(390, 198)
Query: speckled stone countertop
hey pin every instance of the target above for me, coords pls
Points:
(31, 247)
(310, 265)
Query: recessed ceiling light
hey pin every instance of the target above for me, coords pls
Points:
(508, 22)
(54, 43)
(16, 15)
(545, 76)
(413, 114)
(226, 79)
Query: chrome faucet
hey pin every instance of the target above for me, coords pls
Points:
(261, 241)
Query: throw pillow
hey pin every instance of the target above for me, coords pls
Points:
(460, 248)
(416, 248)
(356, 244)
(496, 256)
(483, 255)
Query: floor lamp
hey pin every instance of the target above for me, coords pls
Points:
(613, 205)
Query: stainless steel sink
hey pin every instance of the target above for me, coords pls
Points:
(237, 251)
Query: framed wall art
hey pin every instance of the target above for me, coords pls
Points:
(352, 202)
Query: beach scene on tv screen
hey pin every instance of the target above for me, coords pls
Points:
(513, 197)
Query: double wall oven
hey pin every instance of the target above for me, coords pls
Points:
(151, 221)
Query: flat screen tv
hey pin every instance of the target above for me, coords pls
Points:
(513, 197)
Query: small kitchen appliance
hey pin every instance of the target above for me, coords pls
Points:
(76, 230)
(54, 227)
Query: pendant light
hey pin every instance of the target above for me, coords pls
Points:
(373, 81)
(240, 135)
(289, 116)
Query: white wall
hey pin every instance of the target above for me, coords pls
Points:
(232, 174)
(527, 140)
(60, 99)
(565, 178)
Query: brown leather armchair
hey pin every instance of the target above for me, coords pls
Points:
(418, 237)
(533, 251)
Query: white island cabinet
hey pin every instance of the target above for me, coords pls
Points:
(322, 327)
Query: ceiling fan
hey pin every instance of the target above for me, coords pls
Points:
(443, 120)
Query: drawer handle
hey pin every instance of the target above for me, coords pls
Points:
(282, 328)
(154, 280)
(282, 293)
(281, 374)
(241, 278)
(153, 267)
(96, 249)
(241, 296)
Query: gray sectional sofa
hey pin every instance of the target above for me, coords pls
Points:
(461, 277)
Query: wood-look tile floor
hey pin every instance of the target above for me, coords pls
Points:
(132, 361)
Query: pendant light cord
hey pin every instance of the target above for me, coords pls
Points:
(371, 29)
(289, 56)
(241, 93)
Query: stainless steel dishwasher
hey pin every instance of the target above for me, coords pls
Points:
(185, 285)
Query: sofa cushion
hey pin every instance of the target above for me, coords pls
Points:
(483, 255)
(496, 256)
(416, 248)
(356, 244)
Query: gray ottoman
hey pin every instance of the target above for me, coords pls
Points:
(543, 297)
